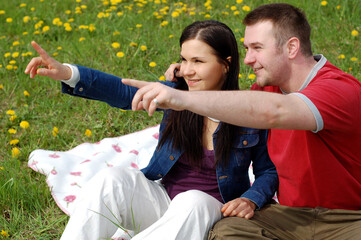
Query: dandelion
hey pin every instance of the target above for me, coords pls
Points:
(87, 133)
(10, 112)
(12, 131)
(26, 19)
(242, 39)
(3, 232)
(115, 45)
(91, 28)
(354, 33)
(341, 56)
(9, 20)
(26, 93)
(143, 48)
(138, 25)
(239, 1)
(116, 33)
(23, 5)
(338, 7)
(171, 36)
(9, 67)
(46, 28)
(12, 118)
(161, 78)
(14, 142)
(2, 12)
(246, 8)
(7, 54)
(353, 59)
(152, 64)
(55, 131)
(2, 169)
(233, 8)
(57, 21)
(15, 152)
(15, 54)
(1, 86)
(120, 54)
(24, 124)
(133, 44)
(164, 23)
(323, 3)
(67, 12)
(252, 76)
(175, 14)
(81, 39)
(239, 75)
(120, 13)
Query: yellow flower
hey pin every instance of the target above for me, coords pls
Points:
(57, 21)
(88, 133)
(120, 54)
(120, 13)
(164, 23)
(252, 76)
(26, 93)
(23, 5)
(12, 62)
(26, 19)
(9, 20)
(175, 14)
(67, 12)
(161, 78)
(354, 33)
(115, 45)
(9, 67)
(14, 142)
(353, 59)
(242, 39)
(115, 33)
(338, 7)
(12, 131)
(15, 153)
(171, 36)
(10, 112)
(24, 124)
(91, 28)
(2, 168)
(81, 39)
(239, 75)
(55, 131)
(143, 48)
(12, 118)
(246, 8)
(323, 3)
(133, 44)
(1, 86)
(15, 54)
(7, 54)
(233, 8)
(3, 232)
(46, 28)
(138, 25)
(2, 12)
(341, 56)
(152, 64)
(239, 1)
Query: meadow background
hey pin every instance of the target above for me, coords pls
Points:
(134, 39)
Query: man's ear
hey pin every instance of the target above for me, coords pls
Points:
(293, 47)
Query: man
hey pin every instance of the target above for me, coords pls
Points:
(313, 111)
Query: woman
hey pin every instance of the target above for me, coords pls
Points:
(200, 162)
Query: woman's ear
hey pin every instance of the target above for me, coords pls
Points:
(227, 64)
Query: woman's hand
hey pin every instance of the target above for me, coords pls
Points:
(239, 207)
(173, 72)
(49, 66)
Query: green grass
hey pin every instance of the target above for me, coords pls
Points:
(27, 208)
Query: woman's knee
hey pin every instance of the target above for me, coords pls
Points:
(195, 199)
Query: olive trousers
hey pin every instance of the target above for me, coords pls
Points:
(275, 221)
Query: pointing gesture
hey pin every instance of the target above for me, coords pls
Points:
(49, 67)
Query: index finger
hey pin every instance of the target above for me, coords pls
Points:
(135, 83)
(43, 54)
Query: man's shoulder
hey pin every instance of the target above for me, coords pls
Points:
(266, 88)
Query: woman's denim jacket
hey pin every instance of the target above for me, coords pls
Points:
(233, 180)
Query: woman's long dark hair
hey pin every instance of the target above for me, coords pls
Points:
(185, 128)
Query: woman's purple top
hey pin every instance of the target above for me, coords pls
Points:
(183, 177)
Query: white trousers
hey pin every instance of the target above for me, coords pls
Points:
(126, 197)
